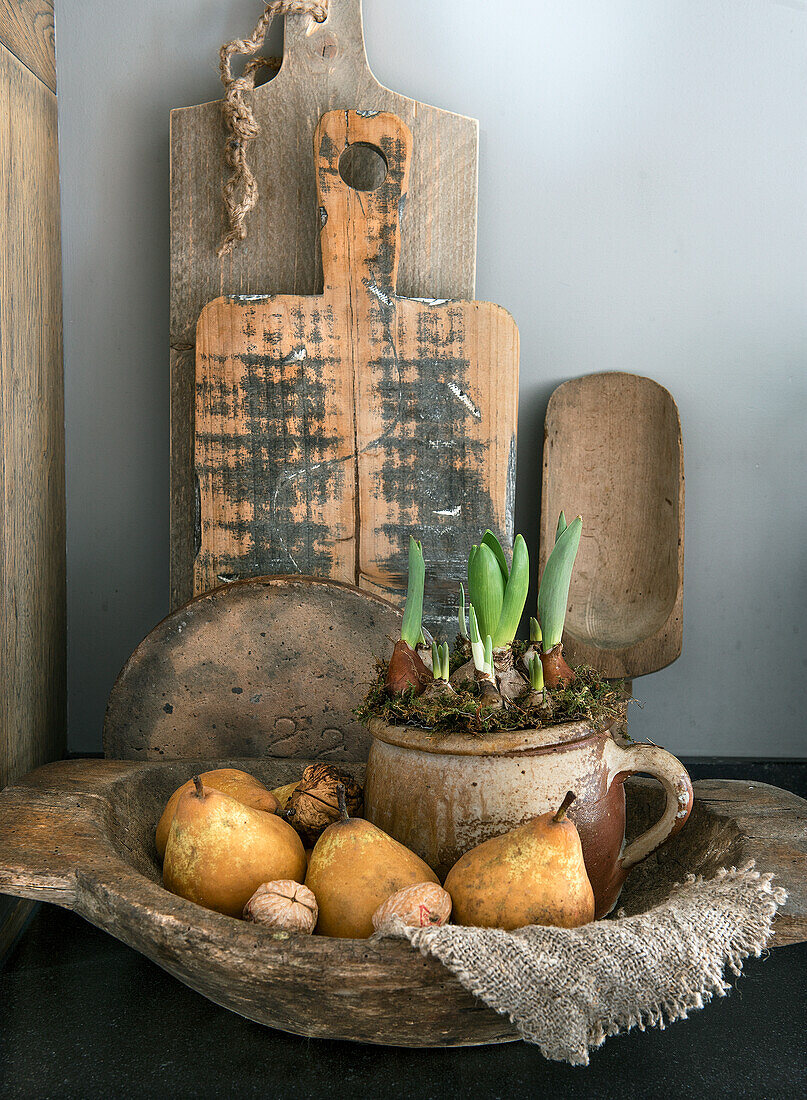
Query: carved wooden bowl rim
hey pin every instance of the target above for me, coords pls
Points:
(80, 833)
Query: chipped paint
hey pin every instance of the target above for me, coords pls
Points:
(510, 492)
(382, 296)
(296, 355)
(465, 399)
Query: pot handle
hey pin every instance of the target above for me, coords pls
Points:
(624, 759)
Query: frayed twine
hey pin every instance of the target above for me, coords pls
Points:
(240, 192)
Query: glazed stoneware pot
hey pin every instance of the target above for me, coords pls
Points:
(442, 795)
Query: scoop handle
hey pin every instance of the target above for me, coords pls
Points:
(359, 225)
(630, 759)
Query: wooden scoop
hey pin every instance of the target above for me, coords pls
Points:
(613, 454)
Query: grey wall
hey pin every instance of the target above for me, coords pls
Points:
(642, 207)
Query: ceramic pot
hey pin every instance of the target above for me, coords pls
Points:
(441, 796)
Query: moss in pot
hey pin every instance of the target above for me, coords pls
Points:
(475, 747)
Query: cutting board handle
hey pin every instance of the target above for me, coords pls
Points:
(359, 226)
(311, 48)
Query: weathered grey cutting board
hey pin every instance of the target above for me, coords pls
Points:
(324, 68)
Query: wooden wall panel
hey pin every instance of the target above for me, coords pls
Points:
(32, 527)
(32, 508)
(26, 28)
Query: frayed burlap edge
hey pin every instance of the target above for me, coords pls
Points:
(568, 990)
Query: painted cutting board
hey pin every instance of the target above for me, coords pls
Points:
(330, 427)
(324, 67)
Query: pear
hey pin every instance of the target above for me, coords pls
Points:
(354, 867)
(239, 785)
(532, 875)
(220, 851)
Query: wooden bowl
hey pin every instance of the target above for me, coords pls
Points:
(81, 834)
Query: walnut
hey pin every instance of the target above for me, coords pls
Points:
(422, 906)
(286, 905)
(313, 805)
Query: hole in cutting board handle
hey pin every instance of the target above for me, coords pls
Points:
(363, 166)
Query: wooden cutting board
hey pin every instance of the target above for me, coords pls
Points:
(324, 67)
(330, 427)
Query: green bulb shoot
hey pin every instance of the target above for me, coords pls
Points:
(497, 593)
(413, 611)
(440, 661)
(536, 673)
(553, 594)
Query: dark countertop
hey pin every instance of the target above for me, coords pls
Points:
(82, 1015)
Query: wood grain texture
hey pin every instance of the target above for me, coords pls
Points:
(271, 667)
(32, 532)
(26, 28)
(329, 428)
(613, 453)
(81, 834)
(324, 68)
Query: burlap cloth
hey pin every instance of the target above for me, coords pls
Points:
(568, 989)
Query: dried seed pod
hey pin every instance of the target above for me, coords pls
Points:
(314, 805)
(283, 794)
(421, 906)
(285, 905)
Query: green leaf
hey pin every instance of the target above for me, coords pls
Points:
(445, 661)
(515, 595)
(413, 612)
(489, 539)
(486, 587)
(561, 525)
(463, 624)
(535, 630)
(553, 595)
(488, 654)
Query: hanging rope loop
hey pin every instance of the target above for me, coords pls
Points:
(240, 192)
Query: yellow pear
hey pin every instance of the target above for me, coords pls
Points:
(239, 785)
(532, 875)
(220, 851)
(354, 867)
